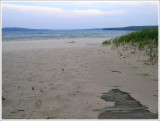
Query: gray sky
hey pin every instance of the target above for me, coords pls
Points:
(79, 14)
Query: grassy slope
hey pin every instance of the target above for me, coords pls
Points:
(143, 40)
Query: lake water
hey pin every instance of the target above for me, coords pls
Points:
(60, 34)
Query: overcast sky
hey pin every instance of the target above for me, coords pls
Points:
(79, 14)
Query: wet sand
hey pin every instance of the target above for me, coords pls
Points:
(66, 78)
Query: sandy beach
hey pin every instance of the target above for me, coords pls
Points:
(65, 78)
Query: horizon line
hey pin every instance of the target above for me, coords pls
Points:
(82, 29)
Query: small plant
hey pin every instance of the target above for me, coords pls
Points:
(120, 53)
(107, 42)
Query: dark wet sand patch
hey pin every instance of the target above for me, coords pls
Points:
(92, 44)
(125, 107)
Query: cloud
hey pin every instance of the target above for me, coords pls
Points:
(97, 4)
(50, 11)
(130, 3)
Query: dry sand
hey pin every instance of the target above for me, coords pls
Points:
(65, 78)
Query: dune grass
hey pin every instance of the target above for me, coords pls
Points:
(143, 40)
(106, 42)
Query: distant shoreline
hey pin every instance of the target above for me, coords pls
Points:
(110, 28)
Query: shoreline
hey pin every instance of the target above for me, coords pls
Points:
(44, 44)
(65, 79)
(56, 39)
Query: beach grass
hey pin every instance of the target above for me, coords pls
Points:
(146, 40)
(106, 42)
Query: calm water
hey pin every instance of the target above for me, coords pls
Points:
(60, 34)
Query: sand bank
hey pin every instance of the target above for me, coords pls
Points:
(65, 78)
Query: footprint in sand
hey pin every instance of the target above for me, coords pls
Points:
(38, 103)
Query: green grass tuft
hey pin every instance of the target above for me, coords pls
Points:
(107, 42)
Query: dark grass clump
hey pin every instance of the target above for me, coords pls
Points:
(106, 42)
(143, 40)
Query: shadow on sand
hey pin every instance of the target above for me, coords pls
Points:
(125, 107)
